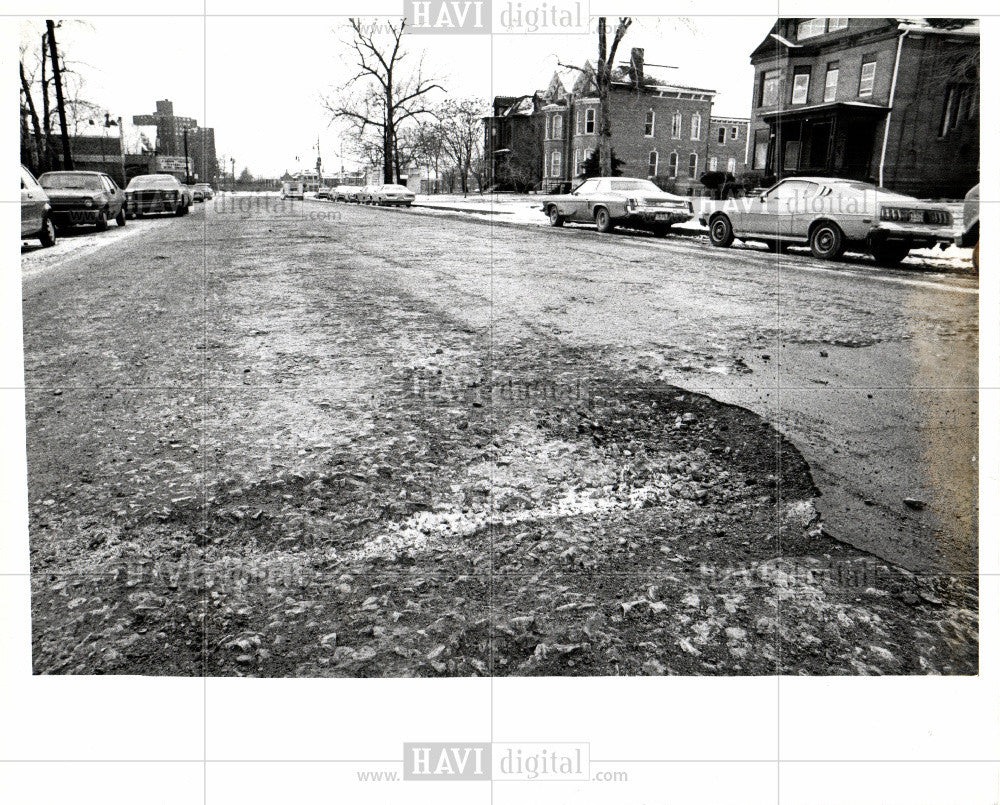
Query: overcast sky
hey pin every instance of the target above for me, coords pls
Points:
(258, 81)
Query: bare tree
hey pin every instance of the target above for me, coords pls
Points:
(601, 79)
(60, 101)
(462, 128)
(382, 95)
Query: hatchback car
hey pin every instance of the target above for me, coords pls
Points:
(612, 201)
(84, 197)
(157, 192)
(830, 216)
(36, 212)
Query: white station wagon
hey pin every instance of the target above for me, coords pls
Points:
(830, 215)
(618, 201)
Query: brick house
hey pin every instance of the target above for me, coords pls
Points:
(513, 144)
(887, 100)
(727, 144)
(660, 130)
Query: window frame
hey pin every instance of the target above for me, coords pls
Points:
(677, 125)
(696, 126)
(722, 135)
(767, 76)
(673, 165)
(555, 156)
(866, 61)
(650, 124)
(832, 68)
(590, 120)
(798, 72)
(653, 164)
(693, 165)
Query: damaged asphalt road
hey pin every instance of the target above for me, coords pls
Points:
(388, 445)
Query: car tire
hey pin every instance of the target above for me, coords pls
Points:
(102, 221)
(603, 220)
(121, 217)
(555, 219)
(826, 241)
(47, 236)
(890, 254)
(720, 231)
(182, 209)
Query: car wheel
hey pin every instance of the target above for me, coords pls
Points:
(890, 254)
(555, 219)
(122, 215)
(102, 220)
(603, 220)
(826, 241)
(720, 231)
(181, 209)
(48, 234)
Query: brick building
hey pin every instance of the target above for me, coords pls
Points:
(171, 133)
(727, 144)
(659, 129)
(513, 145)
(887, 100)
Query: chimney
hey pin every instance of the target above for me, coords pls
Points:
(638, 66)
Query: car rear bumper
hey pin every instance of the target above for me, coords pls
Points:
(915, 236)
(654, 215)
(74, 215)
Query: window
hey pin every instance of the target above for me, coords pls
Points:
(867, 83)
(959, 105)
(654, 162)
(818, 26)
(696, 126)
(576, 162)
(734, 133)
(770, 86)
(675, 125)
(557, 131)
(579, 121)
(761, 145)
(713, 163)
(556, 164)
(810, 28)
(693, 166)
(591, 120)
(800, 86)
(832, 77)
(650, 123)
(672, 172)
(731, 165)
(722, 135)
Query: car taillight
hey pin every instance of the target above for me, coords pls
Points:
(631, 204)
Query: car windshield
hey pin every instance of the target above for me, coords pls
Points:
(634, 184)
(70, 181)
(393, 187)
(142, 182)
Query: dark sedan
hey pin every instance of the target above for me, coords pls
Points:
(157, 192)
(84, 197)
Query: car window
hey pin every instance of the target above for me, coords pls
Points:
(589, 186)
(70, 181)
(27, 180)
(625, 185)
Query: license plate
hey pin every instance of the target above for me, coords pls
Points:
(663, 216)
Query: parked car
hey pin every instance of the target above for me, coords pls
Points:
(364, 193)
(207, 193)
(612, 201)
(391, 195)
(831, 215)
(324, 192)
(348, 192)
(36, 212)
(84, 197)
(970, 225)
(157, 192)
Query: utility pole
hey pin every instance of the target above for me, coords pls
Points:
(57, 77)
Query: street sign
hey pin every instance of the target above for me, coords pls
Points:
(172, 164)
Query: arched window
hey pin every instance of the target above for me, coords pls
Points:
(696, 126)
(673, 165)
(654, 162)
(675, 125)
(693, 166)
(556, 164)
(557, 131)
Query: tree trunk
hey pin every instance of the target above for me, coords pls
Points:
(60, 102)
(51, 160)
(39, 146)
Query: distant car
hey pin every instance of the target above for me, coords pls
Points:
(157, 192)
(831, 215)
(324, 192)
(391, 195)
(348, 192)
(970, 225)
(84, 197)
(36, 217)
(207, 192)
(197, 193)
(612, 201)
(293, 189)
(364, 193)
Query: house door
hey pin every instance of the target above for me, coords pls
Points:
(859, 147)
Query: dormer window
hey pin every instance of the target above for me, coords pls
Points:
(817, 26)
